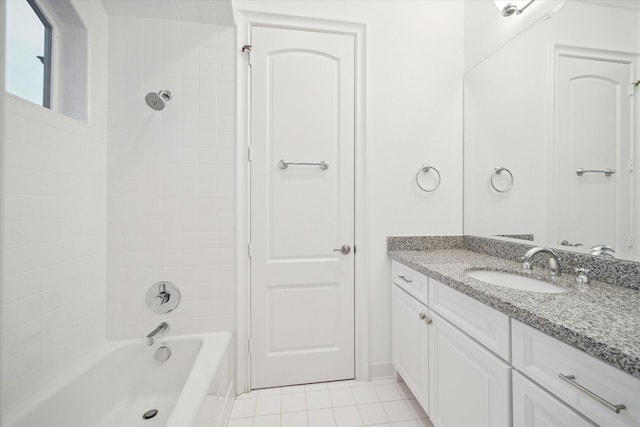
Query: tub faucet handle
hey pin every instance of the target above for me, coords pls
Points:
(163, 297)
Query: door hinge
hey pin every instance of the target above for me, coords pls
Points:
(249, 345)
(249, 153)
(247, 49)
(630, 241)
(631, 165)
(354, 249)
(249, 250)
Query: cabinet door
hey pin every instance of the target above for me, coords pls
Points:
(468, 385)
(409, 343)
(534, 407)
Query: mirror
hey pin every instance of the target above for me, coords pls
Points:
(549, 133)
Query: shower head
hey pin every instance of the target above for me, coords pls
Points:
(157, 100)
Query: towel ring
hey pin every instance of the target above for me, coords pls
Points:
(497, 171)
(426, 168)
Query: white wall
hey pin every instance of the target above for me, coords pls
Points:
(414, 66)
(53, 242)
(486, 30)
(171, 172)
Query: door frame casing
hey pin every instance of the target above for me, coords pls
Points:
(245, 21)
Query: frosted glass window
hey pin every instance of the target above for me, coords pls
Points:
(28, 52)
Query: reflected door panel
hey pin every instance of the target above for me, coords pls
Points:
(593, 133)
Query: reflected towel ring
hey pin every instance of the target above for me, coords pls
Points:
(426, 168)
(497, 171)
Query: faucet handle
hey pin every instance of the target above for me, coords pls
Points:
(163, 297)
(582, 276)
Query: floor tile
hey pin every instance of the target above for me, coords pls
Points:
(404, 390)
(243, 408)
(388, 391)
(251, 395)
(350, 403)
(294, 419)
(364, 394)
(318, 399)
(416, 409)
(384, 381)
(347, 416)
(294, 402)
(333, 385)
(425, 422)
(268, 405)
(293, 389)
(267, 421)
(397, 410)
(408, 423)
(321, 418)
(342, 397)
(373, 413)
(358, 383)
(274, 391)
(315, 387)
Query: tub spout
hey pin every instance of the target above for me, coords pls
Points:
(161, 330)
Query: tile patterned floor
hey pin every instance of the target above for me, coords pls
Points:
(381, 403)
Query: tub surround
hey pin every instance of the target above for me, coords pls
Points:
(600, 319)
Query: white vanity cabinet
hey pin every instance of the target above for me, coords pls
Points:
(590, 386)
(410, 336)
(468, 385)
(457, 381)
(470, 365)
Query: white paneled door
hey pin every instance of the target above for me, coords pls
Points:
(593, 117)
(302, 207)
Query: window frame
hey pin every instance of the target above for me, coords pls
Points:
(48, 41)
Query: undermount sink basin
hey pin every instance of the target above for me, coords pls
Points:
(515, 281)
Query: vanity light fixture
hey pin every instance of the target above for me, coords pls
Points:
(512, 7)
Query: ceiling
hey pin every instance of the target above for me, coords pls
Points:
(217, 12)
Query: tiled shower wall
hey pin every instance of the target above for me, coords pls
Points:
(170, 175)
(54, 238)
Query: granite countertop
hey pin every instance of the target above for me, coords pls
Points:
(601, 319)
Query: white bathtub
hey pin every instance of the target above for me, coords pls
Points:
(127, 381)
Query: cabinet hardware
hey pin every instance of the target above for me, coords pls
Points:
(424, 317)
(405, 279)
(571, 379)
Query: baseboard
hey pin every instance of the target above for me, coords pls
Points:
(381, 370)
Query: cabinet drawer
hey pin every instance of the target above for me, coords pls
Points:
(481, 322)
(411, 281)
(543, 359)
(534, 407)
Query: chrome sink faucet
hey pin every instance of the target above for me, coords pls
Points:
(554, 260)
(161, 330)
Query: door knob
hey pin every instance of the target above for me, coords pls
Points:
(344, 250)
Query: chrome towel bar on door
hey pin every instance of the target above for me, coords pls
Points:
(606, 172)
(283, 164)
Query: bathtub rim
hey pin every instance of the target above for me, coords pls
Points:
(211, 342)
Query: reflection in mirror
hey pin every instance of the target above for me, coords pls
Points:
(556, 107)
